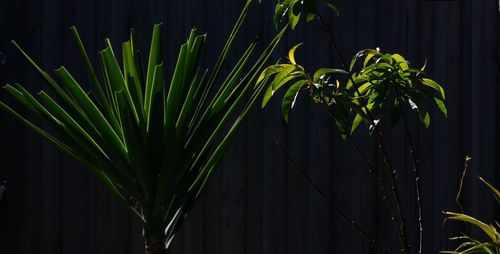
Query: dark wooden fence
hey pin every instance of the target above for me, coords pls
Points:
(257, 202)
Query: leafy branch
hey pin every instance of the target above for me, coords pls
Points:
(379, 88)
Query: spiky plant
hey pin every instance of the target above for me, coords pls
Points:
(153, 145)
(471, 244)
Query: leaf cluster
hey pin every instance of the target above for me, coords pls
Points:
(375, 86)
(154, 141)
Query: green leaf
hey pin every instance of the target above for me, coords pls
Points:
(117, 81)
(133, 79)
(231, 82)
(425, 118)
(280, 11)
(495, 191)
(267, 95)
(360, 54)
(361, 112)
(489, 230)
(401, 61)
(96, 86)
(323, 71)
(370, 56)
(291, 53)
(355, 123)
(53, 84)
(290, 97)
(441, 106)
(93, 112)
(155, 54)
(386, 58)
(294, 13)
(340, 114)
(364, 87)
(434, 85)
(279, 80)
(155, 94)
(424, 66)
(273, 69)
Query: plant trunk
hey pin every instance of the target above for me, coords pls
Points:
(154, 242)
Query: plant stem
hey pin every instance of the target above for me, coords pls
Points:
(401, 230)
(342, 214)
(402, 224)
(417, 185)
(460, 187)
(459, 192)
(154, 242)
(378, 180)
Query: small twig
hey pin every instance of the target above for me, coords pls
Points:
(342, 214)
(459, 193)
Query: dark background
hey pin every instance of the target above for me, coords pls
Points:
(257, 202)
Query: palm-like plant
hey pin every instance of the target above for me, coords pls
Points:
(153, 145)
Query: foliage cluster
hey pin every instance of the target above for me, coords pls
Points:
(154, 141)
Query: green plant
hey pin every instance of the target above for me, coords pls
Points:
(374, 86)
(381, 88)
(153, 145)
(472, 245)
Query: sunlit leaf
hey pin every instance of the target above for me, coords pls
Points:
(290, 97)
(441, 106)
(355, 123)
(434, 85)
(291, 53)
(401, 61)
(323, 71)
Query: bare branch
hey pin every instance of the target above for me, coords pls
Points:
(330, 202)
(416, 174)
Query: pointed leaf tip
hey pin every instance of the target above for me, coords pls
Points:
(291, 53)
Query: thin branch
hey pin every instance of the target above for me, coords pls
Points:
(372, 172)
(330, 202)
(371, 169)
(417, 186)
(395, 190)
(401, 230)
(377, 179)
(459, 193)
